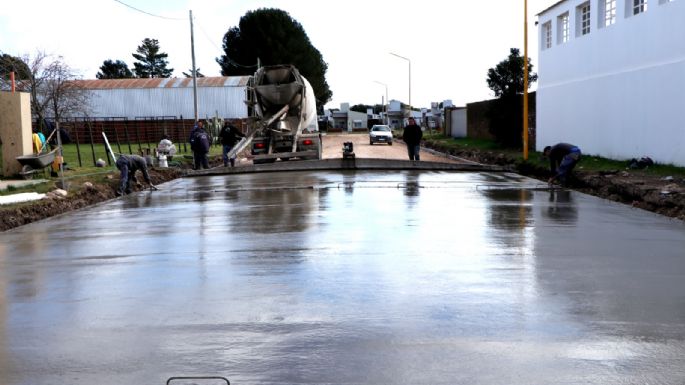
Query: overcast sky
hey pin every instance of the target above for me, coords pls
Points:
(451, 44)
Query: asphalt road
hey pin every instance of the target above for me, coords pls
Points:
(401, 277)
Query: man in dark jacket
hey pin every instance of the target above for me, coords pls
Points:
(199, 144)
(128, 165)
(412, 137)
(229, 137)
(563, 157)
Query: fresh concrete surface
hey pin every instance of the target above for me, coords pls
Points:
(346, 277)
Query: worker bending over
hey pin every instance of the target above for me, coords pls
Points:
(128, 165)
(563, 157)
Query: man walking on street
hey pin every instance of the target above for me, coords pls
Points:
(412, 137)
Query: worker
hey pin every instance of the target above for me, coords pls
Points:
(128, 165)
(166, 147)
(563, 157)
(229, 137)
(412, 137)
(199, 144)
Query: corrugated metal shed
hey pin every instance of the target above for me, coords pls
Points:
(133, 98)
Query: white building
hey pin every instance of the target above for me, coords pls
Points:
(612, 78)
(170, 97)
(345, 119)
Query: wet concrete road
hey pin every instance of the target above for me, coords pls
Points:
(346, 278)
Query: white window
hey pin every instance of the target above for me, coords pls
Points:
(547, 35)
(609, 12)
(583, 19)
(639, 6)
(563, 29)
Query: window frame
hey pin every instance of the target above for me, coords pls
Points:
(638, 7)
(563, 28)
(547, 35)
(584, 16)
(609, 13)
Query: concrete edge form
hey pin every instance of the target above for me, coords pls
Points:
(348, 164)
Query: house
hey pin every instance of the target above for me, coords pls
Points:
(345, 119)
(168, 97)
(611, 78)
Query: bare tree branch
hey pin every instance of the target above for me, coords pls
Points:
(52, 89)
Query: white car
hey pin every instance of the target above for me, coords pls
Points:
(380, 133)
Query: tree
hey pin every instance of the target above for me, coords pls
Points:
(273, 37)
(14, 64)
(506, 113)
(189, 74)
(53, 91)
(506, 79)
(66, 97)
(114, 70)
(360, 108)
(151, 63)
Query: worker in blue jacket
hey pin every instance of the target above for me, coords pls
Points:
(200, 141)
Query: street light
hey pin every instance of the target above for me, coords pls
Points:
(525, 79)
(402, 57)
(386, 100)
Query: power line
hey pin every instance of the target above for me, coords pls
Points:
(148, 13)
(206, 35)
(234, 64)
(228, 59)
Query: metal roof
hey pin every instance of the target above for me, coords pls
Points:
(218, 81)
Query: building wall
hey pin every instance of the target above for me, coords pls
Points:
(15, 129)
(477, 121)
(617, 91)
(358, 116)
(228, 102)
(456, 122)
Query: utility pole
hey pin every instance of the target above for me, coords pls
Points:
(387, 121)
(525, 79)
(192, 50)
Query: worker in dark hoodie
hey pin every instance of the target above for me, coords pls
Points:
(563, 157)
(128, 165)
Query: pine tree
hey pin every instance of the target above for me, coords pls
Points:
(114, 70)
(151, 63)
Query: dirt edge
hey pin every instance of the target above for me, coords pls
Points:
(632, 187)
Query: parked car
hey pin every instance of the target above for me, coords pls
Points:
(380, 133)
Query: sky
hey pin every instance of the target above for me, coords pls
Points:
(449, 44)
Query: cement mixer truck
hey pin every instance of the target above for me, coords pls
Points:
(283, 115)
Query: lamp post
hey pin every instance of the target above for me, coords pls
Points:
(525, 79)
(192, 52)
(409, 61)
(386, 100)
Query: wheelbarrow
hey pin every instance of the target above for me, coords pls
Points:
(33, 163)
